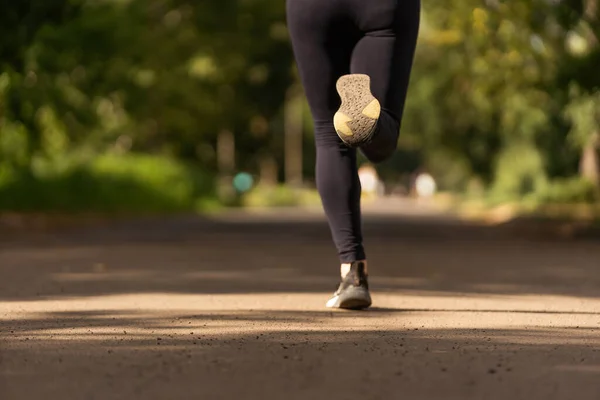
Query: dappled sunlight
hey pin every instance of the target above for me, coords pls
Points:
(179, 325)
(299, 310)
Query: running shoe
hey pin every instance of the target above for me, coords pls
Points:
(353, 292)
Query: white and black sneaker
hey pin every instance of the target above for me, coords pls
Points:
(353, 292)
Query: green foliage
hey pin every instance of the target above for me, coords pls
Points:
(519, 173)
(452, 171)
(164, 75)
(110, 183)
(475, 86)
(583, 112)
(88, 85)
(489, 99)
(569, 191)
(280, 196)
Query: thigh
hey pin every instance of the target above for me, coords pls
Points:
(386, 52)
(322, 39)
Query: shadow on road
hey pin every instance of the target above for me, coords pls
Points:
(291, 253)
(270, 355)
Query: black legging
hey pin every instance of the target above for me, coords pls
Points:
(332, 38)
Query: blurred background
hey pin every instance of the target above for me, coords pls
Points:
(154, 106)
(182, 108)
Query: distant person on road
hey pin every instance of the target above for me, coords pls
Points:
(364, 50)
(425, 185)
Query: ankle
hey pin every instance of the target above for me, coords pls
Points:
(345, 267)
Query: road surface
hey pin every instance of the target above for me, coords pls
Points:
(232, 308)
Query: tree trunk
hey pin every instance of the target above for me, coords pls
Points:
(268, 170)
(293, 138)
(588, 166)
(226, 163)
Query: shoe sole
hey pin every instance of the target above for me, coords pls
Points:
(357, 117)
(351, 299)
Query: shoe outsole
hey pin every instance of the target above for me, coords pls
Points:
(357, 117)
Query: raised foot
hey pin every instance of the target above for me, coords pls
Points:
(356, 120)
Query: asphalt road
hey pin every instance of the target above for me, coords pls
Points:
(232, 307)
